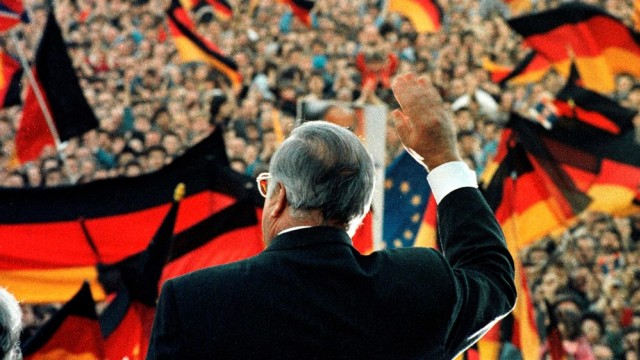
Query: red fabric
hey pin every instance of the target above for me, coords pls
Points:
(131, 339)
(382, 77)
(33, 133)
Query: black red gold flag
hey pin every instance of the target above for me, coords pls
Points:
(589, 110)
(127, 321)
(531, 69)
(604, 166)
(120, 215)
(10, 80)
(600, 44)
(63, 96)
(221, 8)
(425, 15)
(301, 9)
(195, 48)
(73, 332)
(497, 72)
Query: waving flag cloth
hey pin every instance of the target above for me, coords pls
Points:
(194, 48)
(221, 8)
(496, 71)
(601, 45)
(127, 321)
(10, 78)
(63, 96)
(405, 200)
(580, 107)
(604, 166)
(524, 204)
(301, 9)
(11, 14)
(425, 15)
(72, 333)
(531, 69)
(120, 215)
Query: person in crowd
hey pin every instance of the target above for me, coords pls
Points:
(10, 326)
(311, 292)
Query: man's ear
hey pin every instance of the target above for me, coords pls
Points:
(280, 201)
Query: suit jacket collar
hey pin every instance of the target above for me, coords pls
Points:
(308, 237)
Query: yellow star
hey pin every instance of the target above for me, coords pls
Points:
(388, 184)
(408, 234)
(397, 243)
(416, 217)
(416, 200)
(404, 187)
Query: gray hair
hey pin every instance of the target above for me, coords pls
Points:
(10, 326)
(325, 167)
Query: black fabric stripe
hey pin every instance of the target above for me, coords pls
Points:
(12, 96)
(592, 101)
(239, 215)
(533, 145)
(304, 4)
(113, 314)
(519, 69)
(199, 168)
(567, 14)
(194, 39)
(622, 148)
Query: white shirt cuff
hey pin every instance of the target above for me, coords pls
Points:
(449, 177)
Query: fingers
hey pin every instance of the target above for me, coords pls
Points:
(402, 123)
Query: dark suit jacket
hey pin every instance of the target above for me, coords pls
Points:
(310, 294)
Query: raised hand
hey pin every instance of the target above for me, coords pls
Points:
(422, 122)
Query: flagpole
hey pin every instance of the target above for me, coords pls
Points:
(36, 90)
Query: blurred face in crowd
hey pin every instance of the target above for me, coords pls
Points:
(591, 330)
(585, 250)
(610, 242)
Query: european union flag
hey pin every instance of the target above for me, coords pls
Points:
(405, 200)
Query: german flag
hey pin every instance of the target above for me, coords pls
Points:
(531, 69)
(72, 333)
(425, 15)
(119, 214)
(193, 47)
(229, 235)
(301, 9)
(10, 80)
(221, 9)
(11, 14)
(523, 204)
(579, 106)
(496, 71)
(63, 96)
(127, 321)
(601, 45)
(604, 166)
(524, 330)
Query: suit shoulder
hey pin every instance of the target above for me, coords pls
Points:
(207, 275)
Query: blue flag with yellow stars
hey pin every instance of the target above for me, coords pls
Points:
(405, 199)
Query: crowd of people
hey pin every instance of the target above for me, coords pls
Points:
(151, 107)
